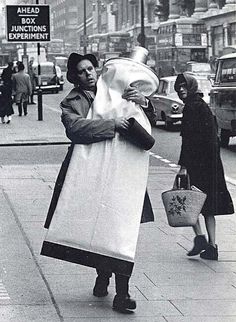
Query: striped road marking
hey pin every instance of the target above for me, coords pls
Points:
(160, 158)
(173, 165)
(3, 292)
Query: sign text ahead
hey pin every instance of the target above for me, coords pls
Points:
(28, 23)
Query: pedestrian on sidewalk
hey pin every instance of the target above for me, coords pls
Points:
(22, 87)
(7, 75)
(32, 75)
(80, 130)
(200, 156)
(6, 109)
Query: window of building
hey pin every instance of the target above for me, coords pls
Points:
(232, 34)
(217, 40)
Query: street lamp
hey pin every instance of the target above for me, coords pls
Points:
(141, 36)
(85, 31)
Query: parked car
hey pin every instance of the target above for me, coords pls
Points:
(167, 105)
(223, 97)
(198, 68)
(49, 78)
(60, 77)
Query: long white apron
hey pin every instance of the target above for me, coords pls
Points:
(97, 218)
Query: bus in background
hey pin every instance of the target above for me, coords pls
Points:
(56, 47)
(180, 41)
(32, 52)
(118, 43)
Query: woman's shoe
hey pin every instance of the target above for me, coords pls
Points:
(210, 253)
(200, 244)
(123, 303)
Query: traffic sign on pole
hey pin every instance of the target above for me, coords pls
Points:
(28, 23)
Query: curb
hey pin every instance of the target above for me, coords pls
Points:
(34, 143)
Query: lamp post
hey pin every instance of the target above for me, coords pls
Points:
(40, 93)
(141, 37)
(85, 31)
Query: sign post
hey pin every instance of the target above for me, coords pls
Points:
(29, 23)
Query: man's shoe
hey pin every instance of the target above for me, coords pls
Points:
(8, 121)
(200, 244)
(123, 304)
(210, 253)
(100, 288)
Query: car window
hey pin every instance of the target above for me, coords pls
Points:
(165, 88)
(160, 87)
(228, 71)
(171, 89)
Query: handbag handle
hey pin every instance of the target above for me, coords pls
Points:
(182, 182)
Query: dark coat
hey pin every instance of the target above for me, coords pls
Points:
(6, 108)
(75, 108)
(200, 154)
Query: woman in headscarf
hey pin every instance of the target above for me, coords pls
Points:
(200, 156)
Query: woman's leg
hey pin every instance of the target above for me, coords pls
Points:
(197, 228)
(200, 242)
(212, 250)
(9, 119)
(211, 229)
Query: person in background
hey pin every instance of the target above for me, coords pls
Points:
(22, 87)
(200, 156)
(32, 79)
(80, 130)
(7, 75)
(6, 109)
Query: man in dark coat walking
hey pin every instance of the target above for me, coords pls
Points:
(200, 156)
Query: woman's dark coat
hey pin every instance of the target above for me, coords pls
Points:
(200, 152)
(6, 102)
(75, 108)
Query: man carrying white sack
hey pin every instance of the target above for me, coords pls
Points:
(100, 193)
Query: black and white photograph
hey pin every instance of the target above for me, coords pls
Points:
(117, 160)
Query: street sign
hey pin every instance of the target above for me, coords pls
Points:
(28, 23)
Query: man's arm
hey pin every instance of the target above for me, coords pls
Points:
(81, 130)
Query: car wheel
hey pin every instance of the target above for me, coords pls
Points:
(224, 138)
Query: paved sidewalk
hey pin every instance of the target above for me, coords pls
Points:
(167, 285)
(26, 130)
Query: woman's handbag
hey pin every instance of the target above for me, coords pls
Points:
(183, 205)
